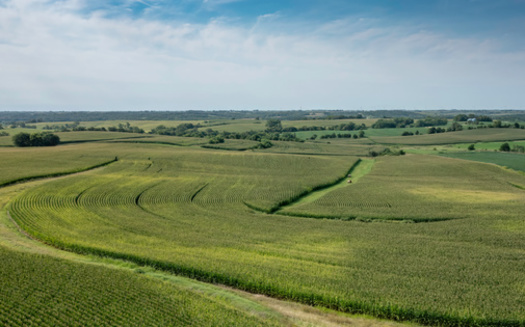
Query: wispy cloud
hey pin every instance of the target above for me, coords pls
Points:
(54, 54)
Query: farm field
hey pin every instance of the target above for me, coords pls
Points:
(453, 186)
(71, 137)
(69, 280)
(19, 163)
(490, 146)
(54, 292)
(514, 161)
(370, 132)
(326, 122)
(199, 213)
(465, 136)
(422, 237)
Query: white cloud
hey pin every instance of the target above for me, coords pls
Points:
(53, 56)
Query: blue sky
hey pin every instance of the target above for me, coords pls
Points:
(248, 54)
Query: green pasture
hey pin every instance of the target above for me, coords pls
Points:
(326, 122)
(489, 146)
(465, 136)
(199, 213)
(514, 161)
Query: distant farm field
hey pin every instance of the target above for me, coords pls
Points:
(465, 136)
(515, 161)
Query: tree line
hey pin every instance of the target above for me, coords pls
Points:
(36, 139)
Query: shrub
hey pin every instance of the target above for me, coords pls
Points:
(216, 140)
(505, 147)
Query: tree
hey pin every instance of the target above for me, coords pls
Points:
(22, 139)
(455, 127)
(461, 117)
(273, 125)
(216, 140)
(37, 139)
(265, 144)
(505, 147)
(50, 139)
(471, 147)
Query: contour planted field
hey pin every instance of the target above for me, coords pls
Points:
(43, 291)
(422, 188)
(21, 163)
(185, 210)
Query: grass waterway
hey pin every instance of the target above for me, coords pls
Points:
(360, 169)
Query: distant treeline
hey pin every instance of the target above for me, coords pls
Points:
(403, 122)
(123, 128)
(10, 117)
(273, 132)
(341, 127)
(472, 117)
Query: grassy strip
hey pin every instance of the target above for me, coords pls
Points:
(301, 195)
(518, 186)
(151, 142)
(385, 311)
(30, 178)
(359, 170)
(309, 215)
(362, 219)
(297, 198)
(226, 148)
(99, 140)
